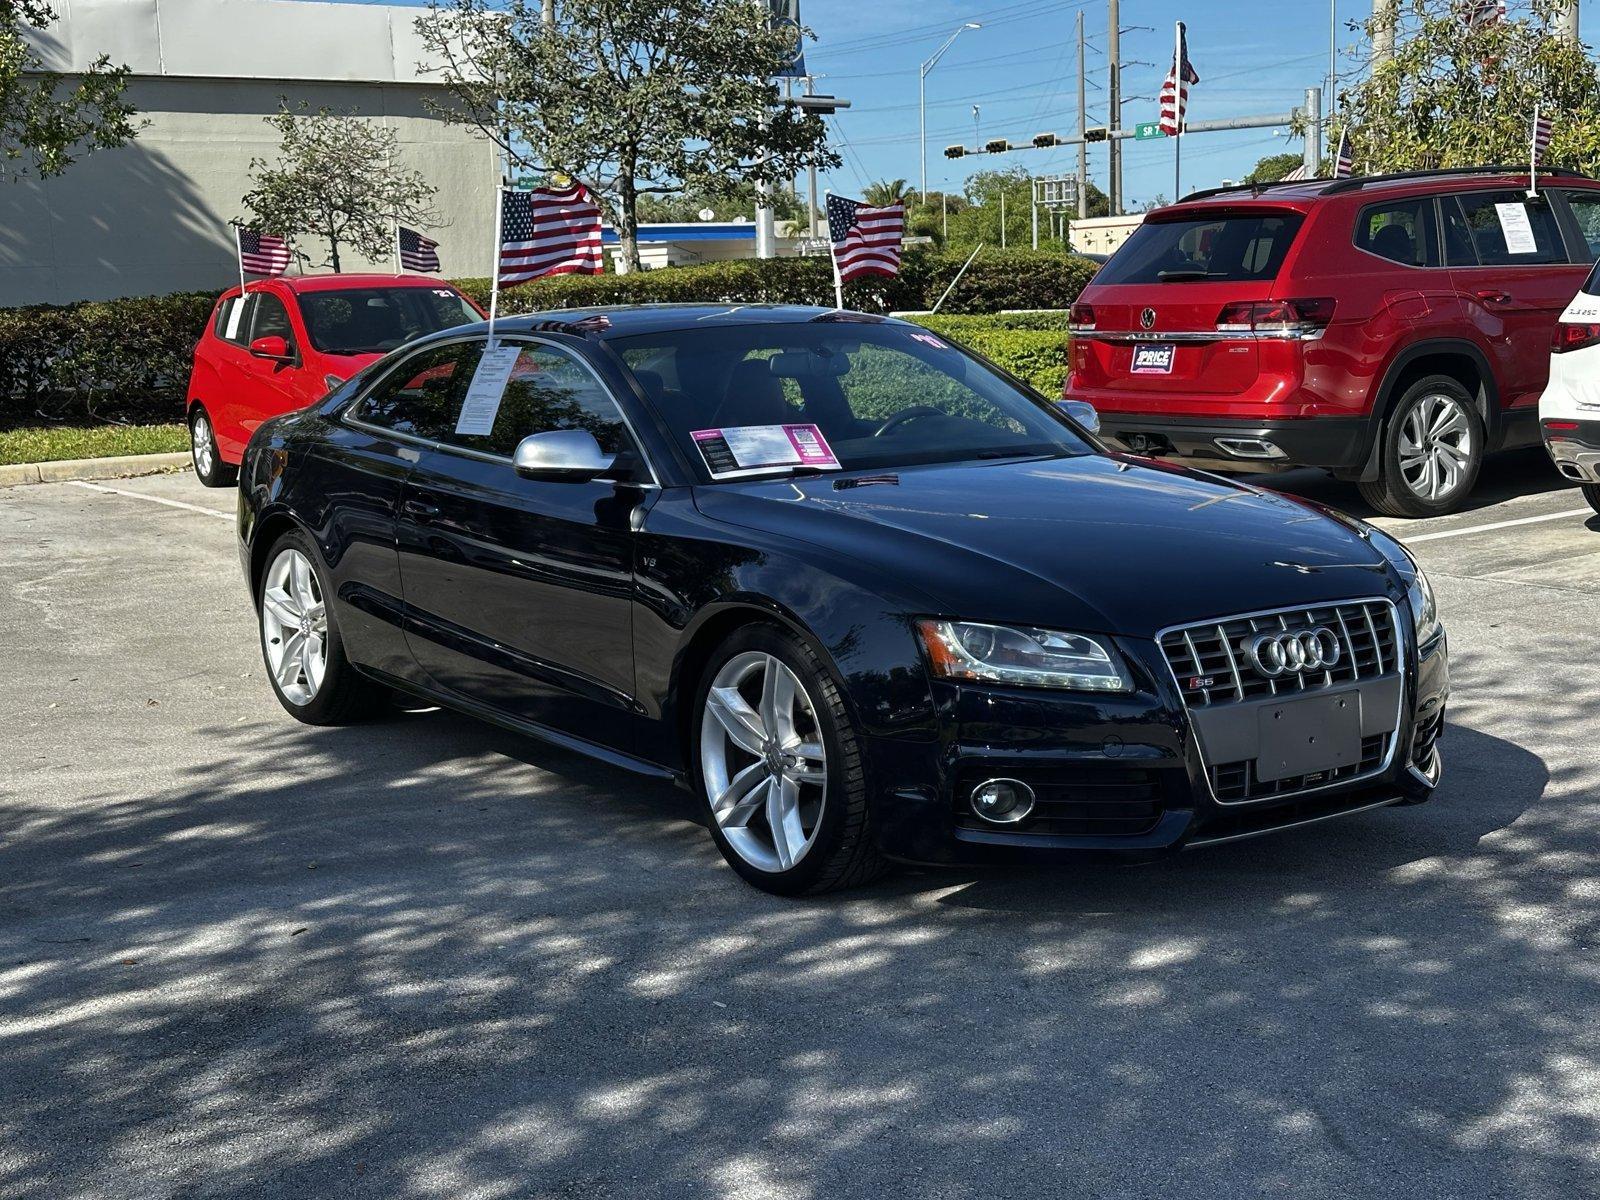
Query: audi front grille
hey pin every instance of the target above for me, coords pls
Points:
(1212, 665)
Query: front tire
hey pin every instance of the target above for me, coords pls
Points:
(1433, 448)
(209, 468)
(300, 643)
(778, 764)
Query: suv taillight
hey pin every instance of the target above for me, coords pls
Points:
(1280, 318)
(1573, 337)
(1081, 315)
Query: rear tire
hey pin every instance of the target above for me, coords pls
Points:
(209, 468)
(1591, 493)
(799, 767)
(1433, 448)
(300, 643)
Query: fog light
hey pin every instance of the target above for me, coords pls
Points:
(1003, 801)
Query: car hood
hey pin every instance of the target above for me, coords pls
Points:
(1095, 543)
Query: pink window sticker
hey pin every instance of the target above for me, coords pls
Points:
(811, 446)
(927, 339)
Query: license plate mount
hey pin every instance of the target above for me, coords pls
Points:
(1154, 358)
(1309, 736)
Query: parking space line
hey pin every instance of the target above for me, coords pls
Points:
(1447, 533)
(111, 491)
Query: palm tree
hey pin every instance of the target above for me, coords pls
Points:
(885, 192)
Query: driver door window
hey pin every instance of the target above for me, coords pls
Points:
(271, 319)
(422, 397)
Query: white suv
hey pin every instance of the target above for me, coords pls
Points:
(1569, 409)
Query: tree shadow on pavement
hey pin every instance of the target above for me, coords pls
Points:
(423, 959)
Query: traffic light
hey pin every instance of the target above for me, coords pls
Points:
(955, 151)
(1098, 133)
(997, 146)
(821, 105)
(1043, 141)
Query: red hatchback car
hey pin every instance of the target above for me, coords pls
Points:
(1392, 329)
(291, 339)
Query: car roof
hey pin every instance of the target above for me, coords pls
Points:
(1303, 194)
(300, 284)
(627, 320)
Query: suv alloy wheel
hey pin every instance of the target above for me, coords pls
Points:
(1433, 448)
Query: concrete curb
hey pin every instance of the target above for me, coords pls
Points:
(115, 467)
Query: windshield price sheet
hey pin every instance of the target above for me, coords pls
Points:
(752, 449)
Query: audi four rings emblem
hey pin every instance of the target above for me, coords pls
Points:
(1291, 652)
(1148, 318)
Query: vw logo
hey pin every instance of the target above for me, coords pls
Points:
(1292, 652)
(1147, 319)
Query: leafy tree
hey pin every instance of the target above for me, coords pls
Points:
(976, 218)
(885, 192)
(629, 97)
(1461, 93)
(1273, 167)
(46, 121)
(335, 179)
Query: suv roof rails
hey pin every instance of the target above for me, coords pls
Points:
(1355, 182)
(1351, 183)
(1252, 188)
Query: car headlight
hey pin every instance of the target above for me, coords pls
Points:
(1022, 655)
(1420, 599)
(1424, 606)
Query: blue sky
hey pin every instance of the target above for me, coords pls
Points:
(1253, 56)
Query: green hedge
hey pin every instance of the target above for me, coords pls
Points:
(128, 360)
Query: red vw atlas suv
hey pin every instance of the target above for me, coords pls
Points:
(1392, 329)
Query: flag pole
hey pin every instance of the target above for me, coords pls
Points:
(1179, 106)
(397, 245)
(494, 262)
(838, 283)
(238, 252)
(1533, 154)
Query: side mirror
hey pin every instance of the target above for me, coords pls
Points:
(1082, 412)
(273, 347)
(570, 454)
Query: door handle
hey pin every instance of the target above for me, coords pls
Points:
(419, 509)
(1493, 296)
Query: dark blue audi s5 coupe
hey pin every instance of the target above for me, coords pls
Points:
(868, 597)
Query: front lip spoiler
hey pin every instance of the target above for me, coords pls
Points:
(1222, 839)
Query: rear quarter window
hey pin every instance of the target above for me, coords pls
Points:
(1225, 247)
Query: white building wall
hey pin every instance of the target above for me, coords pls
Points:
(154, 216)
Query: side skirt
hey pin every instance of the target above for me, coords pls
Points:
(493, 716)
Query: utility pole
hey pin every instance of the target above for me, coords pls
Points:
(811, 182)
(1083, 124)
(1002, 216)
(1313, 154)
(1033, 209)
(549, 13)
(1114, 118)
(1384, 16)
(1567, 22)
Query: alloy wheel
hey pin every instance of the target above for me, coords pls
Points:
(763, 761)
(294, 627)
(1436, 447)
(203, 445)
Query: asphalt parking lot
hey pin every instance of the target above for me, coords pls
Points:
(424, 958)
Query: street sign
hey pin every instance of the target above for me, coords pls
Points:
(525, 183)
(1145, 130)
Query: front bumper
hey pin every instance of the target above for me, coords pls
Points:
(1215, 444)
(1123, 778)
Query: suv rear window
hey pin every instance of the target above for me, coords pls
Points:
(1199, 249)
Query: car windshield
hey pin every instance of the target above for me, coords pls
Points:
(374, 320)
(756, 399)
(1217, 248)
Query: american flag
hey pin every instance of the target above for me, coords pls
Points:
(1343, 164)
(1540, 137)
(417, 253)
(263, 253)
(1481, 13)
(549, 231)
(866, 240)
(1175, 88)
(1297, 174)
